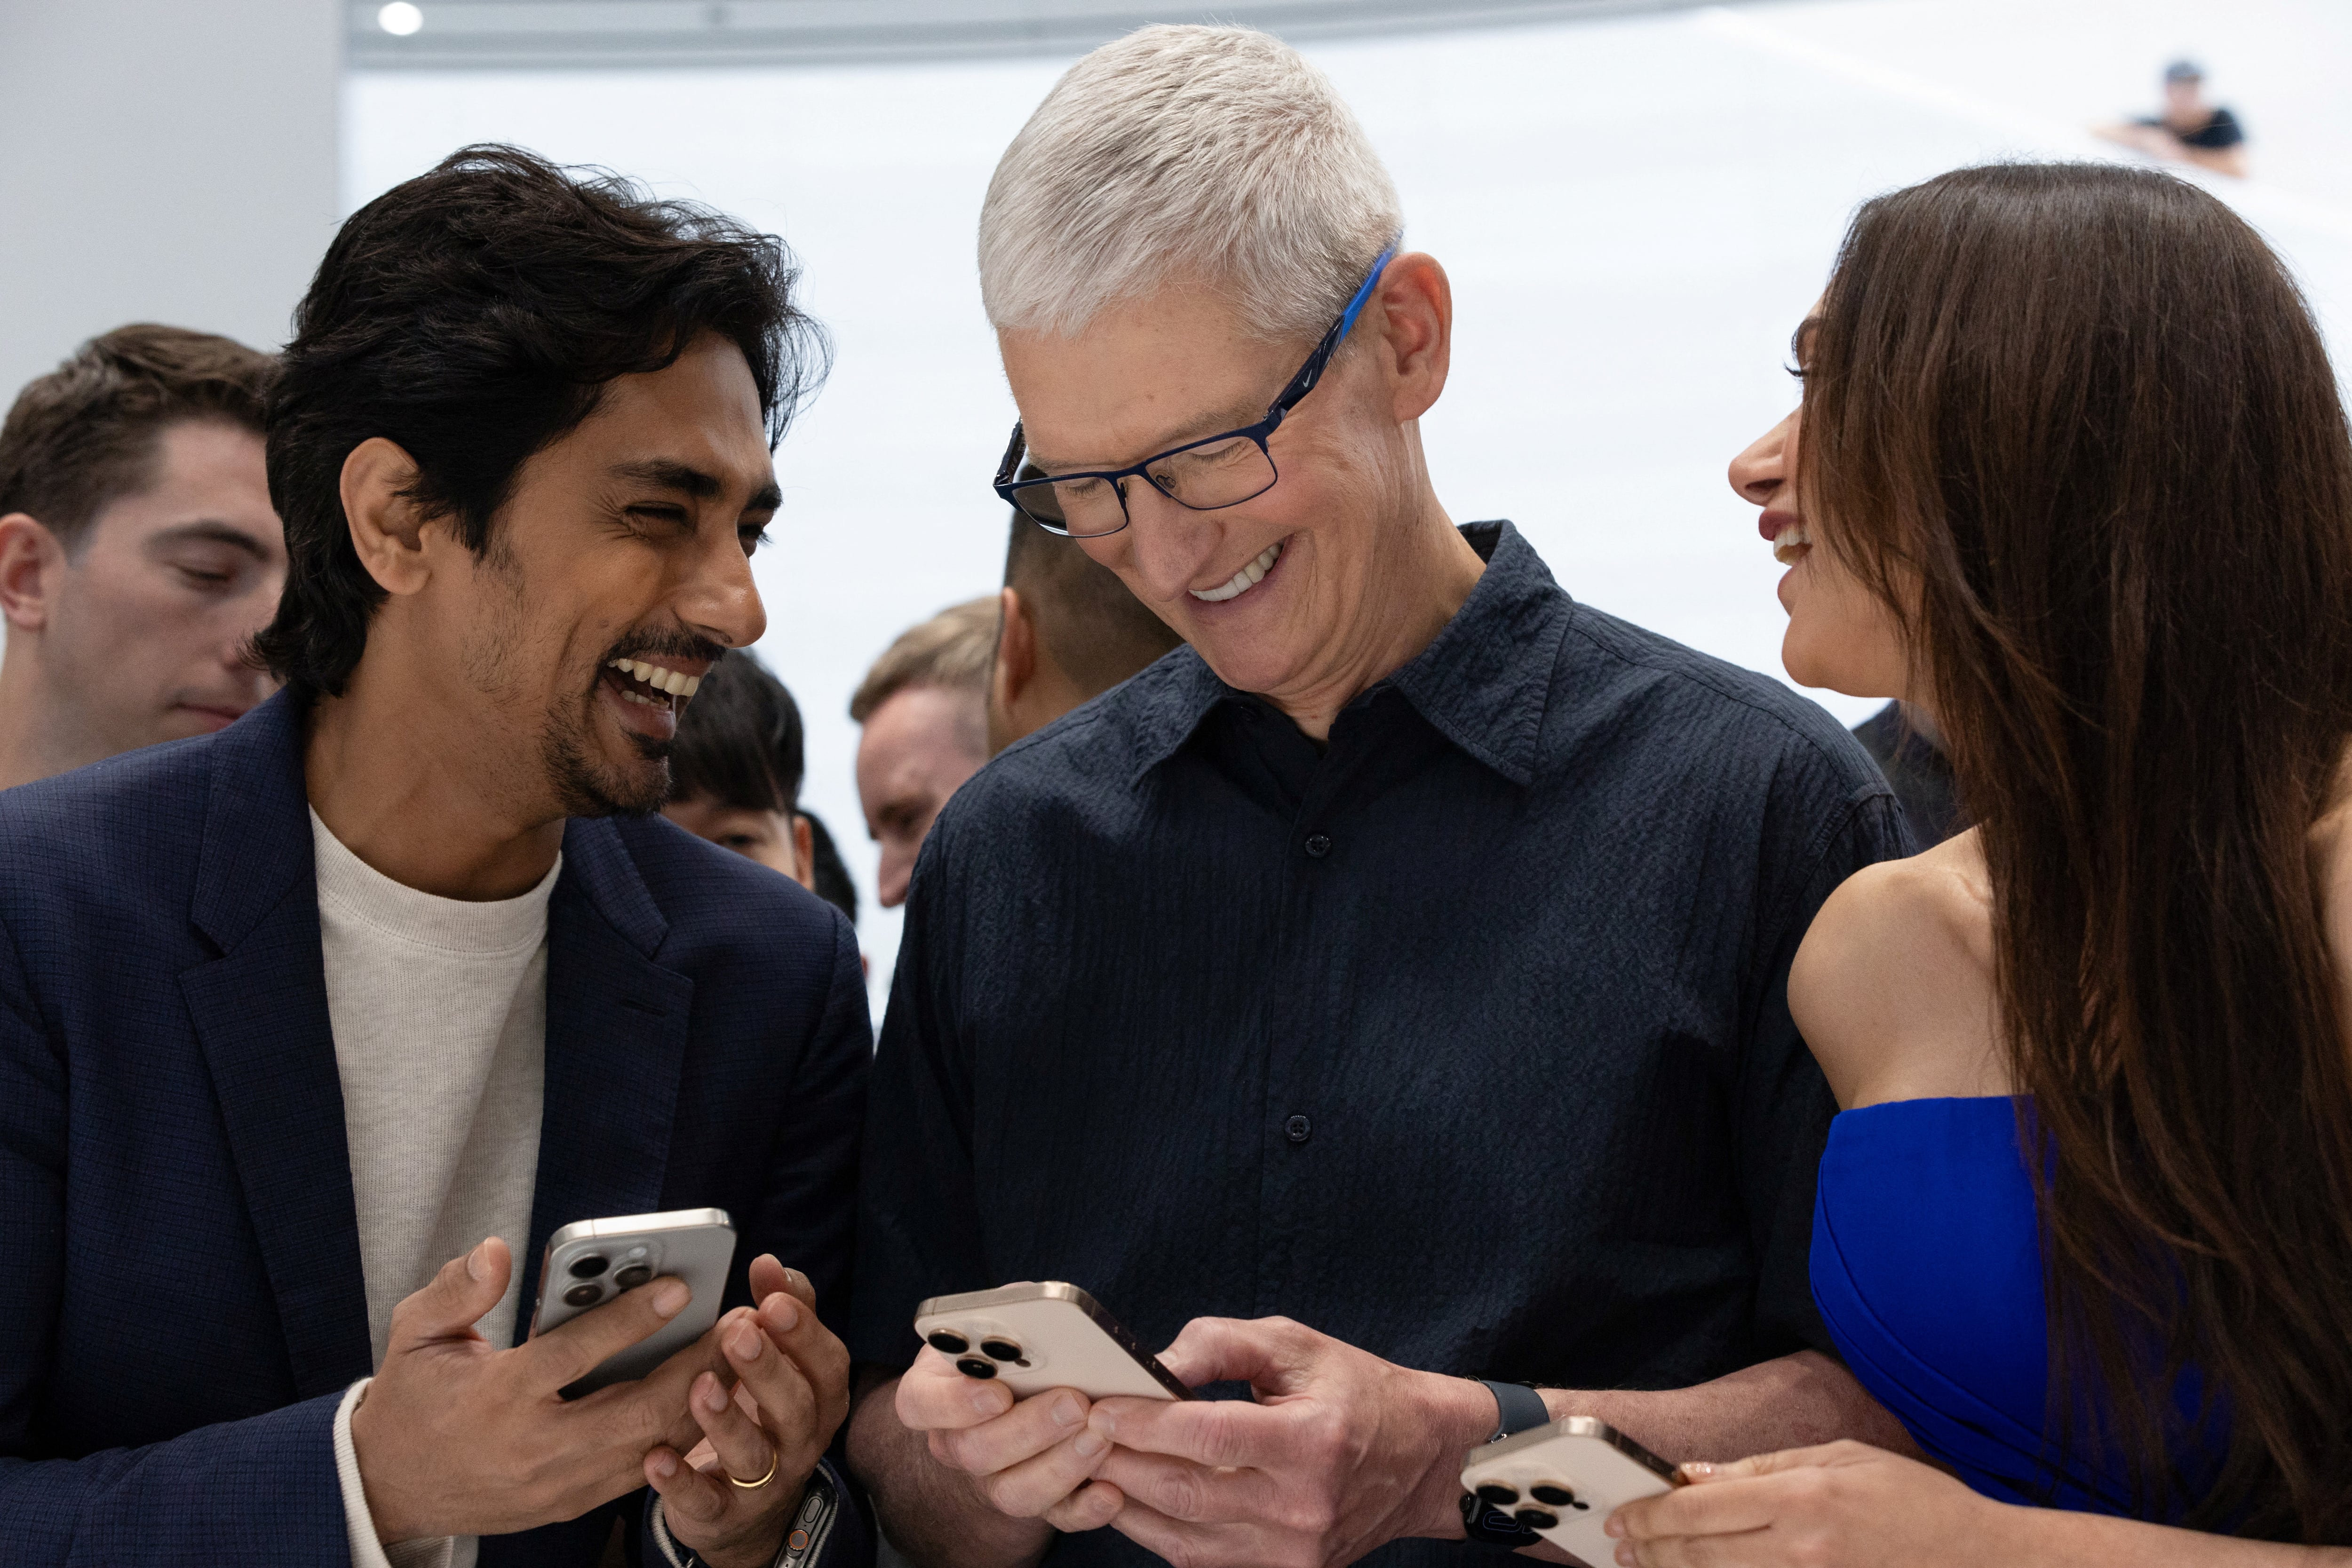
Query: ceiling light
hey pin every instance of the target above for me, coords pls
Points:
(400, 19)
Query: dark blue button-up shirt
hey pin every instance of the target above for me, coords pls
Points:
(1464, 1038)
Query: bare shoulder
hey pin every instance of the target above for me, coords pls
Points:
(1892, 987)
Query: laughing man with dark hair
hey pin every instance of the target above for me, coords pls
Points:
(313, 1031)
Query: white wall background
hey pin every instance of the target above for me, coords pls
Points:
(162, 160)
(1634, 214)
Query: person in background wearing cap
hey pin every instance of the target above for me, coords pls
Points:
(2189, 131)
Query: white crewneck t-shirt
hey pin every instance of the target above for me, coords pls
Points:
(439, 1013)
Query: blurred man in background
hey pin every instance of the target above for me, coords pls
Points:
(924, 708)
(1070, 631)
(735, 768)
(735, 779)
(138, 549)
(2189, 131)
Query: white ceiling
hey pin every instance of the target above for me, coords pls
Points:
(509, 34)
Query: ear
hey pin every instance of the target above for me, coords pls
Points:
(1414, 305)
(387, 526)
(1017, 651)
(32, 569)
(803, 852)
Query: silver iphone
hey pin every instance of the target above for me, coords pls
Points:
(591, 1262)
(1033, 1337)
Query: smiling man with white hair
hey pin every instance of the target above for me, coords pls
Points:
(1407, 957)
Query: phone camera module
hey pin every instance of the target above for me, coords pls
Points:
(947, 1342)
(588, 1266)
(972, 1366)
(635, 1274)
(1497, 1494)
(1552, 1493)
(1538, 1518)
(1001, 1350)
(583, 1295)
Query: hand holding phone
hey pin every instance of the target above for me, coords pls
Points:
(1039, 1336)
(1002, 1390)
(592, 1261)
(456, 1435)
(1563, 1480)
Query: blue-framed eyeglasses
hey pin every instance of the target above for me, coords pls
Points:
(1204, 475)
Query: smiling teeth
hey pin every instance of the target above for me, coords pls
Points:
(1789, 543)
(1243, 580)
(676, 683)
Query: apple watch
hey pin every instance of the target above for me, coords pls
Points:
(1517, 1408)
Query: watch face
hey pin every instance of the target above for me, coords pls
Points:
(1483, 1521)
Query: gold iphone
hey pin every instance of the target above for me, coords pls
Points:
(1563, 1479)
(1032, 1337)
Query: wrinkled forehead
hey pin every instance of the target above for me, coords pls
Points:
(1142, 376)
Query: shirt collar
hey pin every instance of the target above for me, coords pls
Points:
(1483, 683)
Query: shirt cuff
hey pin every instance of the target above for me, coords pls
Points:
(359, 1525)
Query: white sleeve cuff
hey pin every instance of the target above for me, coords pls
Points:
(367, 1551)
(661, 1532)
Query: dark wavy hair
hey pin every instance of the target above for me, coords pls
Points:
(739, 741)
(2075, 426)
(473, 316)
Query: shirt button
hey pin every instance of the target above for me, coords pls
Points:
(1299, 1129)
(1318, 845)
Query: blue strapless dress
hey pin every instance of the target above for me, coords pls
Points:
(1927, 1266)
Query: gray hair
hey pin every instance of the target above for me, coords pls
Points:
(1216, 154)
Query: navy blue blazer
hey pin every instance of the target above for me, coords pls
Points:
(181, 1305)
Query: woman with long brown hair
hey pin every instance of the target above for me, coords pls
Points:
(2076, 478)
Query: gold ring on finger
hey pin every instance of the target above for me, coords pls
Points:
(776, 1458)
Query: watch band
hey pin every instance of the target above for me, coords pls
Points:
(1517, 1408)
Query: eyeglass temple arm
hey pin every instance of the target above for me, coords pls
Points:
(1014, 451)
(1312, 370)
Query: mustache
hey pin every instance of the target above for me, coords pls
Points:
(675, 644)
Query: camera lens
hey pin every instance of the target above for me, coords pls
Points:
(1497, 1494)
(1551, 1492)
(589, 1266)
(1000, 1349)
(583, 1295)
(972, 1366)
(1537, 1518)
(635, 1274)
(948, 1343)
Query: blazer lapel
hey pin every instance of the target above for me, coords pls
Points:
(617, 1036)
(260, 1011)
